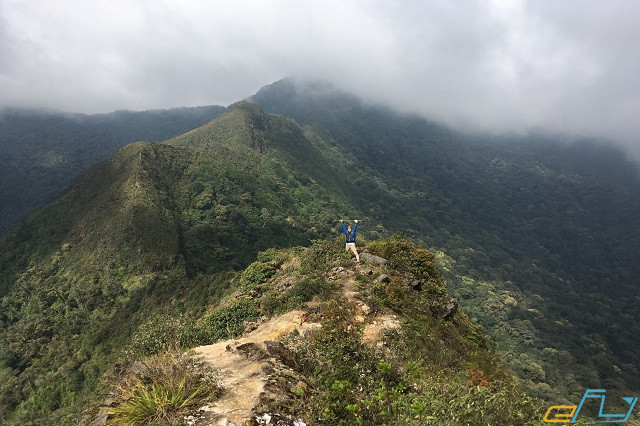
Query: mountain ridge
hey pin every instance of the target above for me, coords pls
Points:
(333, 335)
(530, 221)
(153, 249)
(150, 241)
(41, 152)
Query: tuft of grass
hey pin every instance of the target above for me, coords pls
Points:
(163, 388)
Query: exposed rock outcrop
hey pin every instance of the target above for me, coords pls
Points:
(372, 258)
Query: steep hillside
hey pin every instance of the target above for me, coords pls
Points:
(538, 235)
(144, 253)
(155, 230)
(74, 274)
(317, 339)
(257, 181)
(41, 153)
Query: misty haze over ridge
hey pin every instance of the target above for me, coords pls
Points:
(319, 88)
(503, 66)
(315, 87)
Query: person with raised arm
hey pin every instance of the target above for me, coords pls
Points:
(351, 238)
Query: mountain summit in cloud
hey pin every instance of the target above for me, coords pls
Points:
(568, 67)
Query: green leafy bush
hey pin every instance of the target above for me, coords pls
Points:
(322, 255)
(344, 370)
(257, 273)
(302, 290)
(229, 321)
(162, 333)
(404, 255)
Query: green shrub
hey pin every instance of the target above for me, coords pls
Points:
(322, 255)
(303, 290)
(403, 255)
(229, 321)
(257, 273)
(345, 372)
(162, 333)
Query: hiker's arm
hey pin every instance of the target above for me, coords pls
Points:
(344, 228)
(355, 227)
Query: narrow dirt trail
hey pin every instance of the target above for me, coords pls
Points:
(245, 364)
(374, 324)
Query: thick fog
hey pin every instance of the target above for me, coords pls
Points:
(507, 66)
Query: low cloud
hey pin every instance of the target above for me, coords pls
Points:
(502, 66)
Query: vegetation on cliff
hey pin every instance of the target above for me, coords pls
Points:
(178, 244)
(427, 365)
(154, 231)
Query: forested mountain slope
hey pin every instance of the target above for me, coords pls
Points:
(41, 152)
(155, 229)
(152, 250)
(539, 235)
(537, 239)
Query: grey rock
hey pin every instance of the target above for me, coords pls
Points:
(280, 352)
(415, 284)
(252, 351)
(451, 308)
(101, 418)
(373, 258)
(335, 271)
(383, 278)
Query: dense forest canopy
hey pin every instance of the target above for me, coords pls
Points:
(539, 233)
(41, 152)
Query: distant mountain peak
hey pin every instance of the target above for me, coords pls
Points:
(247, 125)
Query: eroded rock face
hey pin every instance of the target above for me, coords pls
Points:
(450, 309)
(256, 374)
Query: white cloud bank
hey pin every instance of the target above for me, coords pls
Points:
(570, 66)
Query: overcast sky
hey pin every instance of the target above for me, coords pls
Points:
(563, 65)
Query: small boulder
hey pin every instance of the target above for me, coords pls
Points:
(414, 284)
(280, 352)
(335, 271)
(450, 309)
(101, 418)
(383, 278)
(252, 351)
(373, 258)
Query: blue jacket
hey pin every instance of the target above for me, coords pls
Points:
(351, 237)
